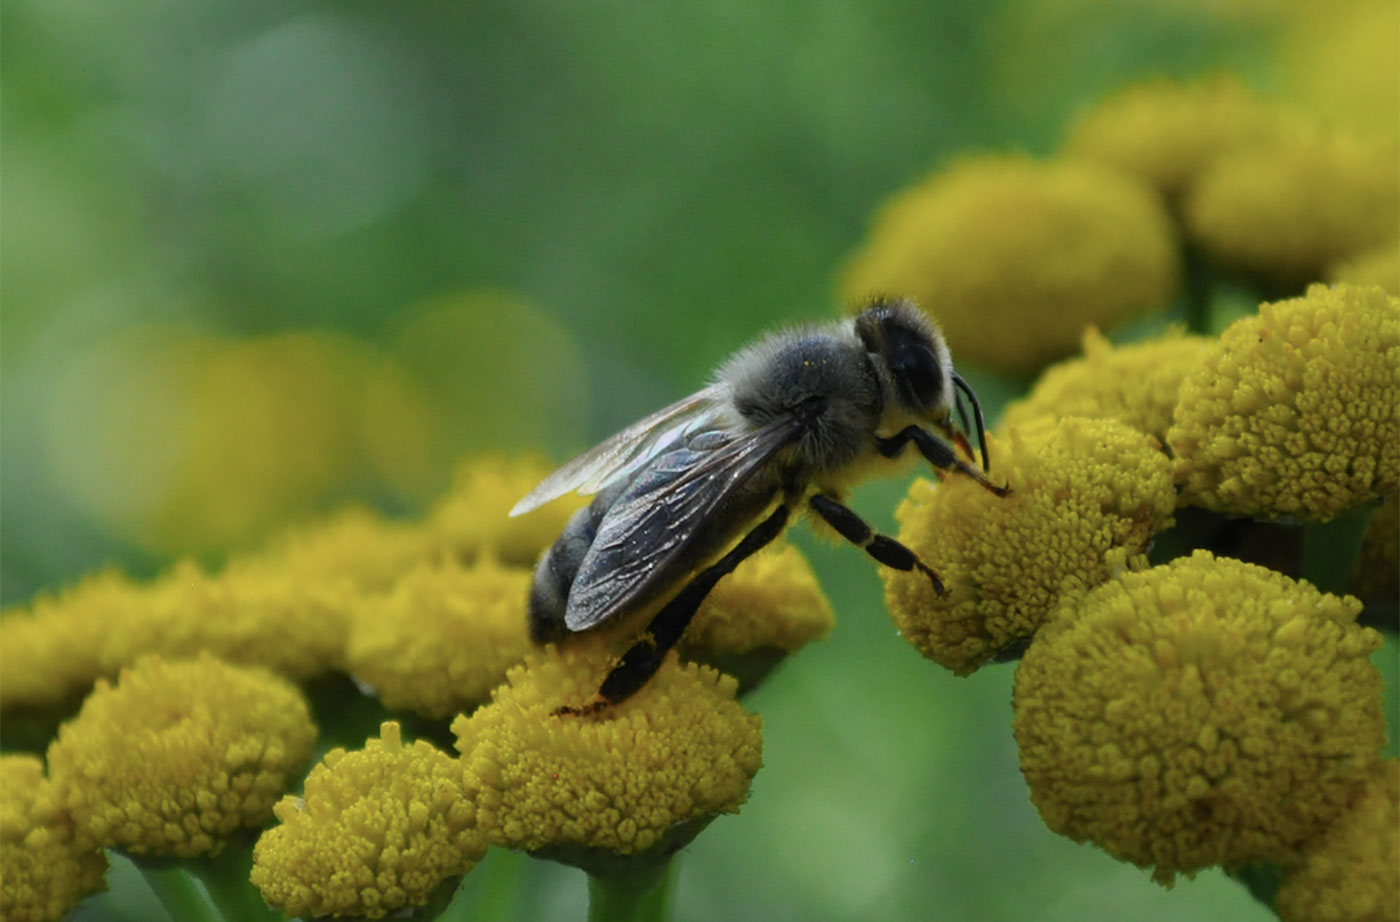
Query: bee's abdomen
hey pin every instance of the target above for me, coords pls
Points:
(558, 567)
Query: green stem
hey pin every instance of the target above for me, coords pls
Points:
(1261, 879)
(1330, 549)
(1198, 279)
(643, 895)
(180, 893)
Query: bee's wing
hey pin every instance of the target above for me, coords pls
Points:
(626, 451)
(641, 538)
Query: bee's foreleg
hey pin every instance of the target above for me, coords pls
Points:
(883, 548)
(640, 662)
(935, 452)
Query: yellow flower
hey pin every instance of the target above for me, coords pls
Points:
(178, 756)
(474, 514)
(1351, 871)
(1086, 496)
(444, 637)
(1016, 257)
(1135, 384)
(1379, 265)
(1290, 210)
(1340, 61)
(51, 649)
(1296, 412)
(377, 831)
(631, 779)
(1167, 132)
(768, 608)
(45, 866)
(354, 546)
(1199, 713)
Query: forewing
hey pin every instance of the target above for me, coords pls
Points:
(650, 525)
(627, 451)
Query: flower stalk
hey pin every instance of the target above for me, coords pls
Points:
(643, 894)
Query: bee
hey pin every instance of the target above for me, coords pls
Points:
(683, 496)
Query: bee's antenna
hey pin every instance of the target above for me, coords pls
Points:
(965, 389)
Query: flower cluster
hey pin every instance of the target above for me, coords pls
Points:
(48, 865)
(1203, 712)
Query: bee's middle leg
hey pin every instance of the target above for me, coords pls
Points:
(883, 548)
(642, 660)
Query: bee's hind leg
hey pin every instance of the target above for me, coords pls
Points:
(883, 548)
(640, 662)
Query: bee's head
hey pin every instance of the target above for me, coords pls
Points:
(914, 365)
(903, 340)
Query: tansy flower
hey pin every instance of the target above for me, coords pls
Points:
(1135, 384)
(1379, 265)
(443, 637)
(1086, 497)
(178, 756)
(51, 649)
(377, 831)
(475, 512)
(640, 777)
(1296, 411)
(1199, 713)
(45, 866)
(767, 609)
(1016, 257)
(1291, 209)
(1167, 133)
(1351, 871)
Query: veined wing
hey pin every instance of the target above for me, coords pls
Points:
(646, 530)
(626, 451)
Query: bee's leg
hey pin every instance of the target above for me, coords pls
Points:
(640, 662)
(936, 452)
(883, 548)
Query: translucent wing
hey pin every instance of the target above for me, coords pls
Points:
(641, 540)
(625, 453)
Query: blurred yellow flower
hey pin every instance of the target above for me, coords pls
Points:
(1380, 265)
(474, 514)
(1135, 383)
(633, 778)
(1199, 713)
(377, 831)
(767, 609)
(45, 866)
(177, 756)
(1015, 257)
(1340, 61)
(1086, 497)
(1167, 133)
(1296, 411)
(443, 637)
(1377, 573)
(353, 545)
(1351, 871)
(1289, 210)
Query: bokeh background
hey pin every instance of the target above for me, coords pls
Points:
(258, 259)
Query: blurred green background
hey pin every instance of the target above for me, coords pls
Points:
(260, 258)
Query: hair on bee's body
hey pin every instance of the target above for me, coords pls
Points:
(784, 426)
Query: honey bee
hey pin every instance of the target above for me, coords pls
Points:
(686, 494)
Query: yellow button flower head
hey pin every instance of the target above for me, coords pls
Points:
(1135, 384)
(1379, 265)
(377, 831)
(51, 649)
(1086, 496)
(1199, 713)
(1289, 210)
(1015, 257)
(178, 756)
(768, 608)
(45, 867)
(628, 780)
(475, 513)
(355, 546)
(444, 637)
(1351, 872)
(1296, 411)
(1167, 132)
